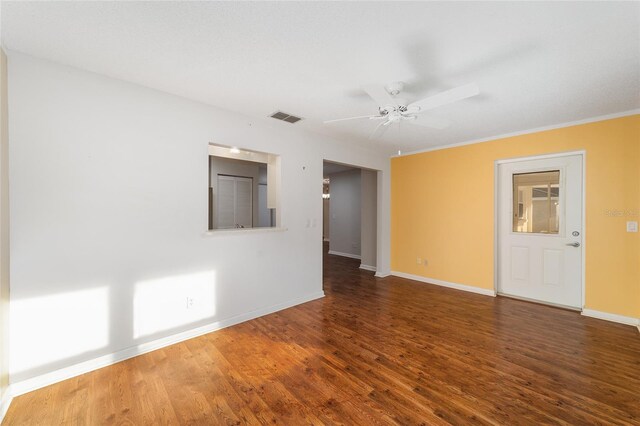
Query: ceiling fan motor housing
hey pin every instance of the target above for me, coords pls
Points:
(391, 109)
(395, 88)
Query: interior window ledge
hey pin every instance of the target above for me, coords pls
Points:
(242, 231)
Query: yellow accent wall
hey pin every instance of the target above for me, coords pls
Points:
(442, 209)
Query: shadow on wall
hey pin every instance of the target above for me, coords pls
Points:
(58, 330)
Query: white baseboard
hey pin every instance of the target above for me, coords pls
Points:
(5, 402)
(47, 379)
(621, 319)
(448, 284)
(380, 274)
(339, 253)
(367, 267)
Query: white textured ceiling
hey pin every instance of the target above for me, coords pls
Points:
(537, 64)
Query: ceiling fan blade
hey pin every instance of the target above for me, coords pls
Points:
(379, 94)
(380, 130)
(444, 98)
(371, 117)
(433, 122)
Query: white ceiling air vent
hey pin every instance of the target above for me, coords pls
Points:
(283, 116)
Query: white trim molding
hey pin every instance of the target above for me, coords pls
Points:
(47, 379)
(242, 231)
(5, 402)
(456, 286)
(339, 253)
(379, 274)
(541, 156)
(524, 132)
(367, 267)
(621, 319)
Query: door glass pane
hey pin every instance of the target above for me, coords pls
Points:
(536, 202)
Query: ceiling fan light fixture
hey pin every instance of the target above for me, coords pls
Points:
(393, 109)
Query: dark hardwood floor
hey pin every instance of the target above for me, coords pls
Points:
(373, 351)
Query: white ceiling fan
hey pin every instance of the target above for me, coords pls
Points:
(392, 109)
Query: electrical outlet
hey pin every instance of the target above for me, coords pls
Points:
(419, 260)
(189, 302)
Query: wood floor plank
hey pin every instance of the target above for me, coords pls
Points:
(372, 352)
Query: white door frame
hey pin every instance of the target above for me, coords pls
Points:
(496, 242)
(380, 176)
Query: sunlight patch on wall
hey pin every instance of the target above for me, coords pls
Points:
(56, 327)
(170, 302)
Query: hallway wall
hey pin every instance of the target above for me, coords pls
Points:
(345, 213)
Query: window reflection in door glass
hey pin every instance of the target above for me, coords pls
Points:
(536, 202)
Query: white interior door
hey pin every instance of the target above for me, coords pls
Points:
(244, 202)
(235, 202)
(540, 230)
(226, 202)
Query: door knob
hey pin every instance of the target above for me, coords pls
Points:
(576, 244)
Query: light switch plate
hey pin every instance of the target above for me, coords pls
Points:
(632, 226)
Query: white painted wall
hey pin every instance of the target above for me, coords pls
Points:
(4, 236)
(108, 194)
(109, 206)
(368, 217)
(344, 211)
